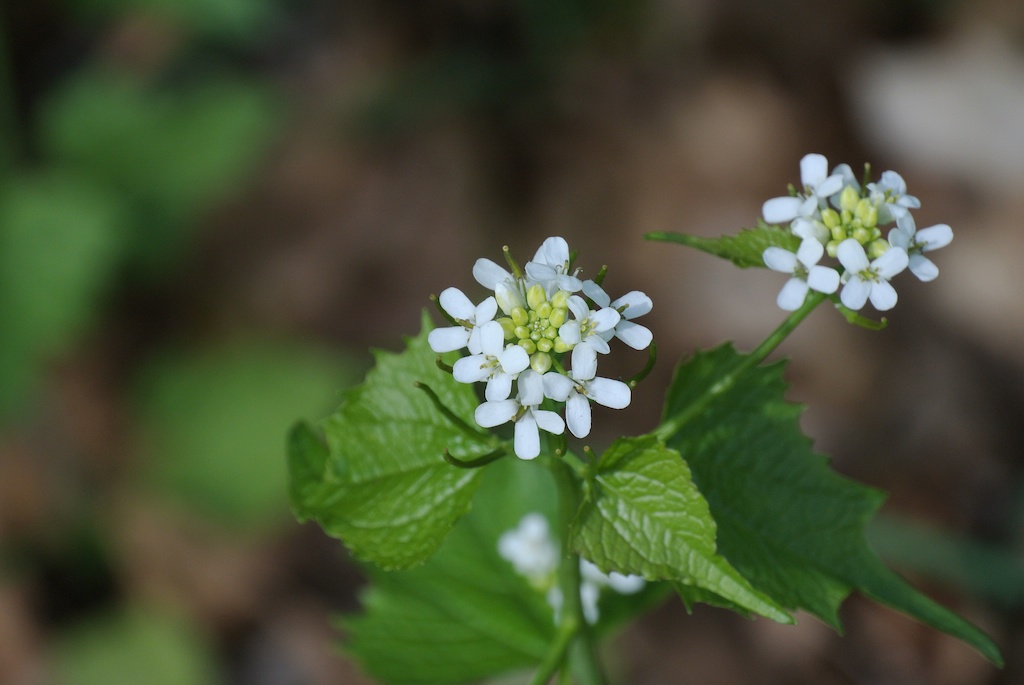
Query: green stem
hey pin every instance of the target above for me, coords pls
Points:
(555, 657)
(673, 425)
(579, 645)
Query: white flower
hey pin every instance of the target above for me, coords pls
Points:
(916, 243)
(803, 265)
(508, 290)
(593, 580)
(588, 326)
(580, 386)
(550, 267)
(889, 194)
(635, 304)
(866, 280)
(818, 186)
(525, 411)
(531, 550)
(497, 364)
(470, 318)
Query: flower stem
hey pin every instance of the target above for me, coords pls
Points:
(673, 425)
(573, 629)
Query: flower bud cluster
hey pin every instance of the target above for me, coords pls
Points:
(534, 554)
(832, 214)
(547, 313)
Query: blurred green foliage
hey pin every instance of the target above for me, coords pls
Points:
(216, 423)
(134, 645)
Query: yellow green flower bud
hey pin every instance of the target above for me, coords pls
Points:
(544, 310)
(520, 316)
(560, 299)
(544, 345)
(561, 347)
(521, 332)
(877, 248)
(528, 345)
(830, 218)
(559, 315)
(535, 336)
(861, 235)
(550, 333)
(536, 296)
(867, 213)
(540, 362)
(848, 199)
(508, 328)
(832, 248)
(839, 233)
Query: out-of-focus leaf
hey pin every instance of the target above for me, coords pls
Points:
(172, 152)
(60, 239)
(216, 423)
(743, 249)
(134, 646)
(236, 21)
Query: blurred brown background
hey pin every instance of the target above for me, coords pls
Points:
(209, 210)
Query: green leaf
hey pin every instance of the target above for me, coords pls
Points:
(134, 646)
(215, 418)
(465, 615)
(60, 241)
(645, 516)
(743, 249)
(786, 521)
(384, 488)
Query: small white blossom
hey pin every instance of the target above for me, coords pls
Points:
(889, 194)
(806, 274)
(916, 243)
(470, 317)
(498, 364)
(531, 550)
(508, 291)
(526, 412)
(550, 267)
(866, 280)
(818, 186)
(588, 326)
(581, 386)
(632, 305)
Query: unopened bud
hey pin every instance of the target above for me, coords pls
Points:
(540, 362)
(877, 248)
(536, 296)
(848, 199)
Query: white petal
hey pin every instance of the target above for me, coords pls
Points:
(907, 224)
(883, 296)
(810, 252)
(808, 207)
(549, 421)
(570, 332)
(792, 294)
(568, 283)
(531, 388)
(448, 339)
(891, 263)
(577, 415)
(554, 252)
(557, 386)
(526, 441)
(589, 594)
(508, 296)
(779, 259)
(485, 311)
(846, 173)
(808, 229)
(472, 369)
(637, 304)
(824, 279)
(851, 256)
(514, 359)
(584, 362)
(779, 210)
(541, 272)
(625, 585)
(855, 293)
(609, 393)
(578, 306)
(935, 237)
(488, 274)
(596, 293)
(492, 338)
(499, 387)
(899, 238)
(923, 268)
(633, 334)
(829, 186)
(598, 343)
(491, 414)
(813, 169)
(604, 319)
(455, 302)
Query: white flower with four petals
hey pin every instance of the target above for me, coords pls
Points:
(807, 275)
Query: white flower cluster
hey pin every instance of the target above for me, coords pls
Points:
(544, 319)
(833, 214)
(534, 555)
